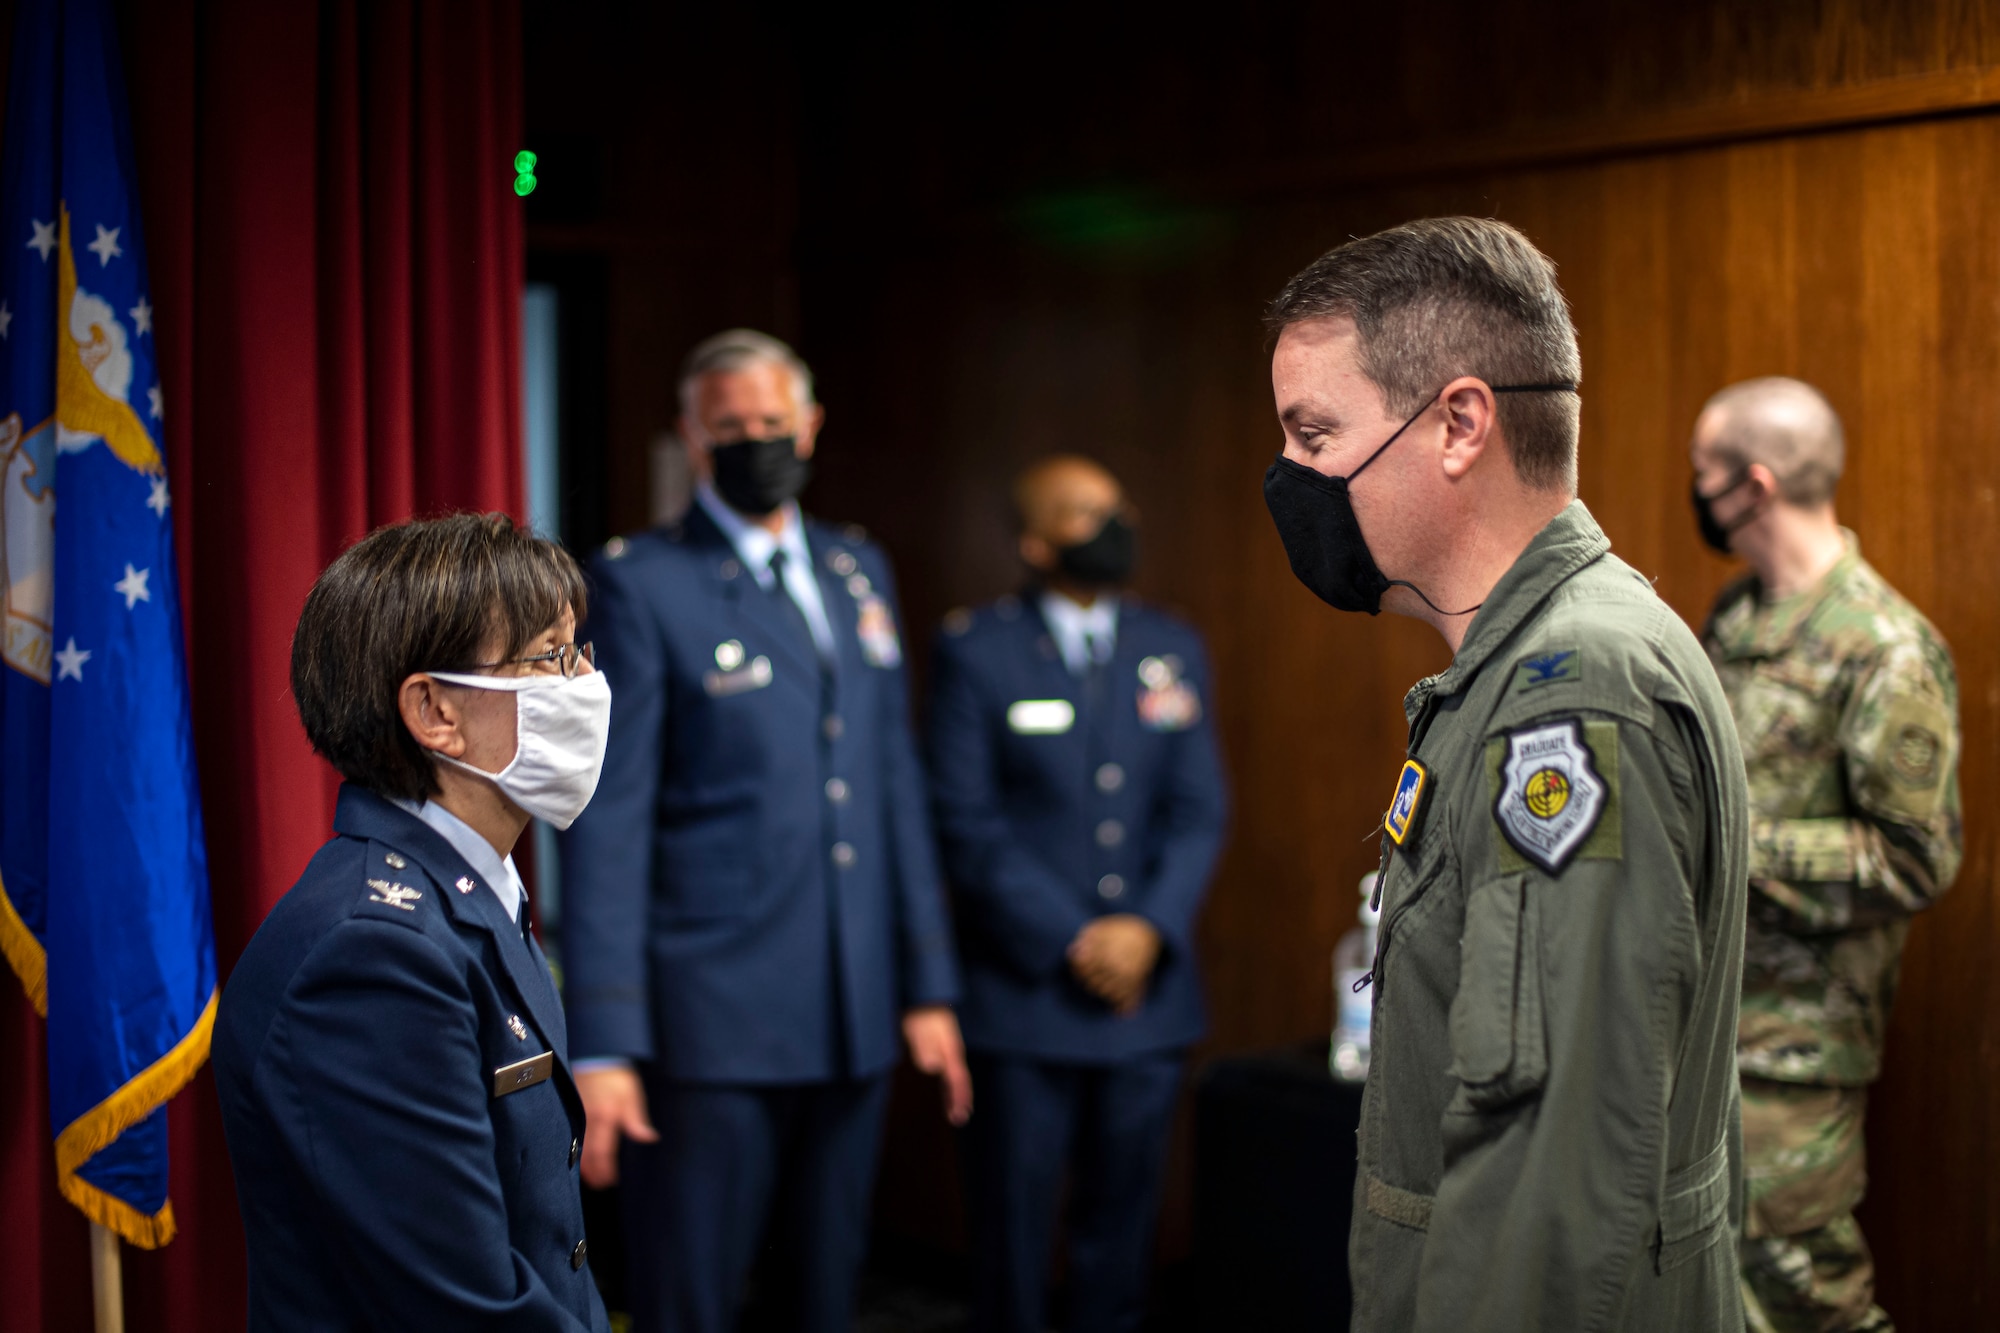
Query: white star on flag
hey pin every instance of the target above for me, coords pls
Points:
(45, 238)
(105, 247)
(133, 586)
(157, 501)
(154, 400)
(6, 318)
(142, 317)
(69, 662)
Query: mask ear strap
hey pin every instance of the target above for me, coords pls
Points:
(1405, 583)
(1391, 440)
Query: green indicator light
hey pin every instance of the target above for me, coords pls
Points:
(524, 162)
(524, 184)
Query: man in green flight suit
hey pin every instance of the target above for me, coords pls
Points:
(1848, 708)
(1550, 1136)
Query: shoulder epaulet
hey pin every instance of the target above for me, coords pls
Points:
(390, 888)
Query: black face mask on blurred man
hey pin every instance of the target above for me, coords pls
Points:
(1105, 560)
(754, 476)
(1714, 532)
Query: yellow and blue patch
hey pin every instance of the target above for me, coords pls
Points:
(1402, 816)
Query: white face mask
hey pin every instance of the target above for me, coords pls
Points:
(560, 727)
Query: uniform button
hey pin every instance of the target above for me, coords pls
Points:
(832, 726)
(575, 1150)
(836, 791)
(579, 1254)
(843, 855)
(1110, 833)
(1111, 886)
(1110, 777)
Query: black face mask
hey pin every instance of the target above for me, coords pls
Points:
(1714, 532)
(1322, 538)
(1105, 560)
(754, 477)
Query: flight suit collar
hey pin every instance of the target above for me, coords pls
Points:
(363, 814)
(1748, 626)
(1570, 541)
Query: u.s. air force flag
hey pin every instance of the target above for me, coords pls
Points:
(103, 876)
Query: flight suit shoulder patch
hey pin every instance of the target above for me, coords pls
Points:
(1554, 785)
(1554, 666)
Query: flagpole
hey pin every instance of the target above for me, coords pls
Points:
(107, 1279)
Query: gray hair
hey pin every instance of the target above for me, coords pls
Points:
(734, 349)
(1789, 427)
(1442, 297)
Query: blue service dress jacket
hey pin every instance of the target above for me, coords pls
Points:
(390, 1056)
(753, 895)
(1061, 797)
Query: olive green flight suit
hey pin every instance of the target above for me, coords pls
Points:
(1550, 1136)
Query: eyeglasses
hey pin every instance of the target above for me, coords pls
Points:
(566, 656)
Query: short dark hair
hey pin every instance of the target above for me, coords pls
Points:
(1442, 297)
(438, 594)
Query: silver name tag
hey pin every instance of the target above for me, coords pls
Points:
(753, 675)
(523, 1074)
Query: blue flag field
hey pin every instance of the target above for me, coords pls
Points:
(104, 910)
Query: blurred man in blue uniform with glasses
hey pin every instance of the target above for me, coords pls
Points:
(753, 904)
(1080, 803)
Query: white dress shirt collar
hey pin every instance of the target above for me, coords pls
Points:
(755, 545)
(1074, 626)
(496, 872)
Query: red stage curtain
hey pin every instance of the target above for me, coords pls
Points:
(336, 262)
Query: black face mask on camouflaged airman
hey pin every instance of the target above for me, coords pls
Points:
(1322, 537)
(1714, 532)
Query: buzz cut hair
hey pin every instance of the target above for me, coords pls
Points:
(1438, 298)
(734, 349)
(441, 594)
(1789, 427)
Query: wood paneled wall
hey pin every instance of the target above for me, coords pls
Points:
(1024, 233)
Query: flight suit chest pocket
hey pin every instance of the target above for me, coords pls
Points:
(1499, 1050)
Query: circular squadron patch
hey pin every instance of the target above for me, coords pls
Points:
(1551, 794)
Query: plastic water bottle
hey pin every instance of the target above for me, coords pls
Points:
(1353, 959)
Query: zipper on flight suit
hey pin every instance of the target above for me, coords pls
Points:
(1418, 729)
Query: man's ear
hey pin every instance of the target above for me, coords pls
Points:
(1036, 552)
(1766, 482)
(431, 716)
(809, 430)
(1471, 424)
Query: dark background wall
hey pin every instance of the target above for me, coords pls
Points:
(1032, 229)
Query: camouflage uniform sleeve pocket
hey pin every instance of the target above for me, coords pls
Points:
(1498, 1050)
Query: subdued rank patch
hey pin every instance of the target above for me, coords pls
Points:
(1549, 668)
(1914, 760)
(1409, 798)
(1551, 793)
(395, 895)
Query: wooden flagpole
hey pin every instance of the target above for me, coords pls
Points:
(107, 1279)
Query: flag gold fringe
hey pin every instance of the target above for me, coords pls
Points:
(99, 1127)
(24, 954)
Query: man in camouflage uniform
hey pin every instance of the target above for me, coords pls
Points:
(1847, 706)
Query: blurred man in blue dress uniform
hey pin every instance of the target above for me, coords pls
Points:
(1080, 802)
(754, 909)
